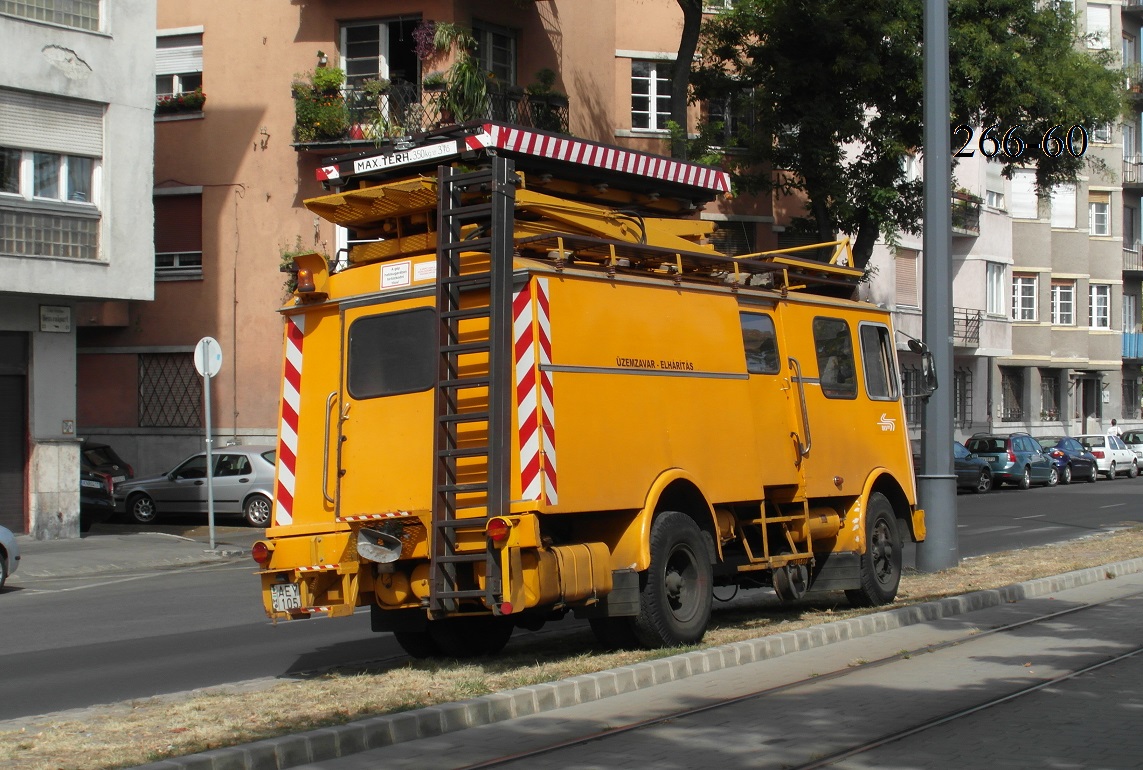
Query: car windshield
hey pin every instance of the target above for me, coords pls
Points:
(978, 445)
(99, 455)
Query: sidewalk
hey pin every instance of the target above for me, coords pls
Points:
(116, 548)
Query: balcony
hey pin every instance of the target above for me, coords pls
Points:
(1133, 173)
(965, 214)
(1133, 346)
(1132, 261)
(354, 117)
(1133, 6)
(966, 327)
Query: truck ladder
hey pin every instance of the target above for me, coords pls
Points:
(793, 516)
(475, 292)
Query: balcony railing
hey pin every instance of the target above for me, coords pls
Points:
(966, 327)
(966, 215)
(1133, 345)
(1132, 261)
(354, 116)
(1132, 171)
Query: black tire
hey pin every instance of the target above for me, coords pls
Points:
(3, 567)
(676, 591)
(1026, 479)
(470, 637)
(417, 644)
(1133, 471)
(1053, 476)
(141, 509)
(984, 483)
(881, 562)
(1094, 474)
(1066, 478)
(614, 633)
(257, 511)
(1111, 471)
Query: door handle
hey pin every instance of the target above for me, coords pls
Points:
(803, 449)
(325, 449)
(198, 483)
(243, 481)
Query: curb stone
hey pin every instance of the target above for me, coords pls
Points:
(378, 732)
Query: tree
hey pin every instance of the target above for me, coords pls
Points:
(681, 74)
(834, 90)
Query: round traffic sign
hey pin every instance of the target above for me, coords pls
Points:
(207, 356)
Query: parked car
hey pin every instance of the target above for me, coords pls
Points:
(1072, 461)
(101, 458)
(972, 472)
(9, 554)
(243, 483)
(1134, 441)
(1015, 458)
(96, 503)
(1111, 455)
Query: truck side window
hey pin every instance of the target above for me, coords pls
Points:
(760, 342)
(836, 372)
(878, 359)
(392, 353)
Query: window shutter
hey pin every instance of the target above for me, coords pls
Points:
(177, 54)
(49, 123)
(1024, 203)
(906, 264)
(178, 224)
(1064, 205)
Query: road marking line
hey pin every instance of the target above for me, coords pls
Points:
(1113, 505)
(1037, 516)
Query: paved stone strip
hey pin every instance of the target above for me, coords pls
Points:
(378, 732)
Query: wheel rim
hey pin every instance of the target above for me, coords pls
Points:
(985, 481)
(1053, 478)
(1067, 474)
(1026, 481)
(1111, 472)
(143, 510)
(258, 511)
(882, 549)
(680, 583)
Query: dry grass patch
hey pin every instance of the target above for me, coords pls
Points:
(127, 734)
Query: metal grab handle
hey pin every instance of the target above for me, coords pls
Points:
(325, 450)
(803, 449)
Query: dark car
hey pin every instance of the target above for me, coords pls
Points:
(101, 458)
(243, 484)
(972, 472)
(1072, 461)
(1015, 458)
(96, 503)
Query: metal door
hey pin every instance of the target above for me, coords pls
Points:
(13, 451)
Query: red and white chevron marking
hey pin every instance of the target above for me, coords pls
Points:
(288, 425)
(319, 568)
(535, 412)
(375, 516)
(601, 156)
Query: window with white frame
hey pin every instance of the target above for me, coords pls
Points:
(1130, 146)
(178, 63)
(1063, 302)
(1064, 206)
(50, 176)
(1131, 313)
(1099, 213)
(1023, 297)
(906, 269)
(1098, 26)
(995, 288)
(80, 14)
(373, 50)
(496, 50)
(1099, 306)
(994, 199)
(651, 93)
(1101, 133)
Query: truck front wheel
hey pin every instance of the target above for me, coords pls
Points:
(675, 591)
(881, 562)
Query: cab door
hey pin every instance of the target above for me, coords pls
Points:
(770, 396)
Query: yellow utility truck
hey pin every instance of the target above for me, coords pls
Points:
(532, 387)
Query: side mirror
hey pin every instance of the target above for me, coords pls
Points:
(928, 373)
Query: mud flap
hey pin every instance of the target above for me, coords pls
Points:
(622, 601)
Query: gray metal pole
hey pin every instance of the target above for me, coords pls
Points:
(936, 483)
(209, 440)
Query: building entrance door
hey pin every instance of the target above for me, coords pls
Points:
(13, 447)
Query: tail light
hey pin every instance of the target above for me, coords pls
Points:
(130, 472)
(1011, 456)
(497, 529)
(1056, 453)
(260, 552)
(107, 482)
(1098, 453)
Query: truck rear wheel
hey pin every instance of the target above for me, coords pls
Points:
(469, 637)
(881, 562)
(614, 633)
(416, 644)
(675, 591)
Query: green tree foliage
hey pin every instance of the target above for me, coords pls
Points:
(834, 93)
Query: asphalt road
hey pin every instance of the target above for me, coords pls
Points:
(72, 643)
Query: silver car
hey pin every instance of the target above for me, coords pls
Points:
(243, 483)
(1111, 455)
(9, 554)
(1134, 441)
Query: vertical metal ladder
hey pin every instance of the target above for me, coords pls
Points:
(467, 291)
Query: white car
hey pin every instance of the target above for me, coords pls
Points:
(1134, 441)
(1112, 456)
(9, 554)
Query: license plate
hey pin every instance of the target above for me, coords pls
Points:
(117, 479)
(286, 597)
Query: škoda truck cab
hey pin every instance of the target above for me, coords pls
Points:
(534, 388)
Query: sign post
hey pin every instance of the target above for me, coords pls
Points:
(207, 361)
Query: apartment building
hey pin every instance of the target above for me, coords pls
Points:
(76, 116)
(1131, 18)
(241, 127)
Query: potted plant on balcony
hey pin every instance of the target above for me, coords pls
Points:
(545, 102)
(188, 101)
(434, 81)
(319, 105)
(466, 94)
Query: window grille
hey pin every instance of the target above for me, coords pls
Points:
(80, 14)
(733, 238)
(35, 234)
(170, 391)
(914, 404)
(1011, 394)
(1131, 396)
(962, 395)
(1049, 395)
